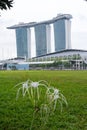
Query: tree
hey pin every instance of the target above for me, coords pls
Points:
(6, 4)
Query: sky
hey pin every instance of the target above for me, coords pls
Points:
(39, 10)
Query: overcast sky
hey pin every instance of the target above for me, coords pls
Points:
(39, 10)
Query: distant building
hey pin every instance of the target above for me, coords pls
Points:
(62, 32)
(41, 42)
(18, 63)
(62, 35)
(21, 41)
(72, 59)
(18, 66)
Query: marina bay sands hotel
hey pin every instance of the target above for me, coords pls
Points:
(43, 36)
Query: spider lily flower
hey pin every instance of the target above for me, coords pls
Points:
(39, 83)
(34, 84)
(55, 96)
(43, 97)
(33, 89)
(56, 91)
(36, 91)
(24, 88)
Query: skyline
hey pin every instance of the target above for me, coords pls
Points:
(31, 10)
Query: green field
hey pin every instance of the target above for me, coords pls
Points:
(17, 114)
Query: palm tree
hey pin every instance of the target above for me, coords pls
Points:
(6, 4)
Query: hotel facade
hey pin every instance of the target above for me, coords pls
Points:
(43, 34)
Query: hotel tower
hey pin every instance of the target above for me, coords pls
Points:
(43, 34)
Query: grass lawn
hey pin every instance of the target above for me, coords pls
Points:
(17, 114)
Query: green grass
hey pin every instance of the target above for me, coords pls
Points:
(17, 115)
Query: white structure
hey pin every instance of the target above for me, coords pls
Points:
(29, 42)
(48, 35)
(68, 34)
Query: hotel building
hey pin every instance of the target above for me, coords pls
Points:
(43, 35)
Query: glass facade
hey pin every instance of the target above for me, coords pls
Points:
(44, 40)
(21, 41)
(40, 38)
(59, 35)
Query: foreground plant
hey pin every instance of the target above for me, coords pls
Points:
(43, 98)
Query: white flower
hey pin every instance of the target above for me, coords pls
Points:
(35, 84)
(25, 84)
(56, 91)
(56, 97)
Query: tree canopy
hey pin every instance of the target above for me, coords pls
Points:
(6, 4)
